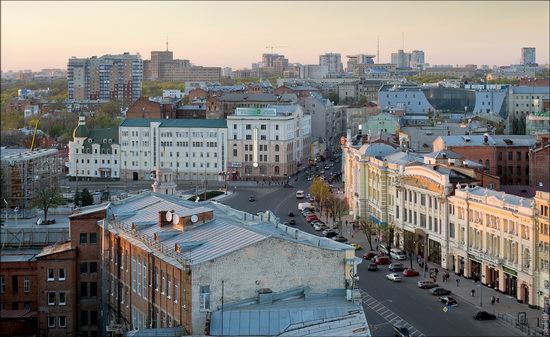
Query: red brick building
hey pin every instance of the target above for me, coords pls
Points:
(146, 108)
(539, 161)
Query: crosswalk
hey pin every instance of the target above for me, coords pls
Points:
(387, 314)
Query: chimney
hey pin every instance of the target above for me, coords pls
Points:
(163, 220)
(265, 296)
(485, 138)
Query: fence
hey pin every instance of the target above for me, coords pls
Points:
(524, 326)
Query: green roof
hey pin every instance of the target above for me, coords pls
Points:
(171, 123)
(98, 135)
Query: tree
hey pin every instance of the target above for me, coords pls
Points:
(362, 101)
(334, 97)
(337, 207)
(76, 200)
(321, 192)
(103, 120)
(46, 196)
(368, 227)
(86, 198)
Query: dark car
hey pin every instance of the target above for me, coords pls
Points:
(330, 235)
(401, 331)
(288, 186)
(396, 267)
(369, 255)
(372, 267)
(439, 291)
(290, 213)
(291, 222)
(448, 300)
(484, 315)
(251, 198)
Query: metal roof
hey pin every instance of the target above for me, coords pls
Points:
(306, 315)
(175, 123)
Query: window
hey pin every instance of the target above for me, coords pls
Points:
(93, 289)
(168, 285)
(62, 321)
(93, 317)
(27, 284)
(83, 267)
(51, 275)
(93, 238)
(83, 237)
(51, 322)
(204, 298)
(61, 274)
(51, 298)
(93, 267)
(2, 284)
(83, 289)
(162, 283)
(62, 298)
(84, 318)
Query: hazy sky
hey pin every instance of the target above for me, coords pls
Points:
(45, 34)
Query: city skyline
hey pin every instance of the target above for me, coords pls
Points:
(236, 34)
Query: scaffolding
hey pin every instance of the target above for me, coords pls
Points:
(23, 172)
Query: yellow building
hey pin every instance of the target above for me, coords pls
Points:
(542, 256)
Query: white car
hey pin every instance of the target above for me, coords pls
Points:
(320, 226)
(394, 277)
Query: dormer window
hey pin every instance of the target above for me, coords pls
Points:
(89, 140)
(104, 140)
(110, 140)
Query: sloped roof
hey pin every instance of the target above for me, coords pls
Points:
(12, 314)
(54, 249)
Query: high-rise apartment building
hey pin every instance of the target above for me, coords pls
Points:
(528, 56)
(401, 59)
(333, 61)
(158, 58)
(417, 59)
(109, 77)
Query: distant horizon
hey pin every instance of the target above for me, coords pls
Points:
(40, 35)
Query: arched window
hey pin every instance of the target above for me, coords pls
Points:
(277, 169)
(277, 148)
(263, 169)
(487, 164)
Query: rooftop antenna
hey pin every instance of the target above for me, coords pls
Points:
(166, 43)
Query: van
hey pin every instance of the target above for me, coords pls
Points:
(300, 194)
(397, 254)
(427, 284)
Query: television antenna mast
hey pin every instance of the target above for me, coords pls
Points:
(271, 47)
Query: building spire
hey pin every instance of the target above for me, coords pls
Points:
(378, 49)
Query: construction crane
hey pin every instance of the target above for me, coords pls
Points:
(271, 47)
(34, 135)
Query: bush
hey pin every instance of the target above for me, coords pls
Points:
(209, 195)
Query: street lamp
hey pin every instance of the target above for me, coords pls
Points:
(6, 212)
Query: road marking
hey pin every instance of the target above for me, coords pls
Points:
(383, 311)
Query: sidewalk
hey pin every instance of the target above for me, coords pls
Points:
(507, 304)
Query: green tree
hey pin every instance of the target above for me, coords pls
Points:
(46, 196)
(362, 101)
(77, 201)
(86, 198)
(334, 97)
(321, 192)
(102, 120)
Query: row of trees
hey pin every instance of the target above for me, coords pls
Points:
(335, 207)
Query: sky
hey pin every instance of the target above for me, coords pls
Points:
(44, 34)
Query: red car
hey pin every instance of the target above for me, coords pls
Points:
(410, 272)
(369, 255)
(310, 218)
(382, 260)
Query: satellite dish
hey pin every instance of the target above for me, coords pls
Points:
(175, 219)
(194, 218)
(169, 216)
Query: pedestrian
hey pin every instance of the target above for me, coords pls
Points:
(435, 279)
(498, 299)
(458, 282)
(492, 300)
(376, 247)
(473, 292)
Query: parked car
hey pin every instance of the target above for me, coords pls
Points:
(396, 267)
(394, 277)
(309, 178)
(439, 291)
(320, 227)
(290, 213)
(426, 284)
(331, 235)
(369, 255)
(372, 267)
(312, 217)
(483, 315)
(292, 222)
(382, 260)
(448, 300)
(251, 198)
(340, 238)
(401, 331)
(397, 254)
(355, 245)
(328, 230)
(410, 272)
